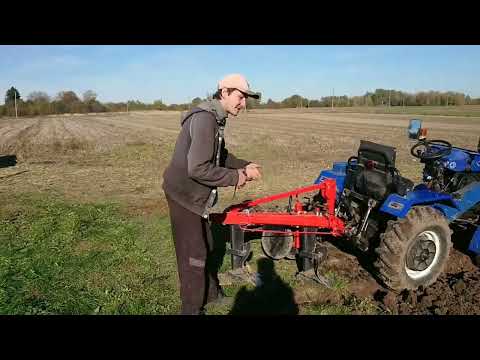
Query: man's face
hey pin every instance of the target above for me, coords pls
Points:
(233, 102)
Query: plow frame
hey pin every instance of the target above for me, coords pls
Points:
(243, 218)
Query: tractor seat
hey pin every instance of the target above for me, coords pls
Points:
(374, 174)
(384, 156)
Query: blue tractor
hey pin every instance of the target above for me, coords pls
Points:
(407, 227)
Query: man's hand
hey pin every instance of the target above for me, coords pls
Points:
(253, 171)
(242, 178)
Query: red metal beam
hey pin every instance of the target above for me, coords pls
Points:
(326, 187)
(270, 218)
(239, 214)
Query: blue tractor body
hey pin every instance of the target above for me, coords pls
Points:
(405, 229)
(337, 173)
(452, 204)
(462, 160)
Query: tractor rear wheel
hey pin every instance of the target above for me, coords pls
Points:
(413, 251)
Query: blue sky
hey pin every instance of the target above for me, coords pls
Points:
(177, 74)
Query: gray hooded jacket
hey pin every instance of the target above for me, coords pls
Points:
(193, 172)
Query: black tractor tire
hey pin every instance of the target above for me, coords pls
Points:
(413, 251)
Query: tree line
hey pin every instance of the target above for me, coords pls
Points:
(381, 97)
(40, 103)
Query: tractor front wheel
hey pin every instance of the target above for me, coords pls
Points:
(414, 250)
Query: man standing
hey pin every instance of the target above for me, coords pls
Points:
(201, 163)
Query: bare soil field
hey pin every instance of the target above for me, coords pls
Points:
(121, 157)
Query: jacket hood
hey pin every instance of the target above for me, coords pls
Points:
(213, 106)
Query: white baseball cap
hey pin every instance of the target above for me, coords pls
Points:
(237, 81)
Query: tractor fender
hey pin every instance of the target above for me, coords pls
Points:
(399, 206)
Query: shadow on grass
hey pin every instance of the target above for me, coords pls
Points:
(271, 297)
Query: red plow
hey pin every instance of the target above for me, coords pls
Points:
(302, 222)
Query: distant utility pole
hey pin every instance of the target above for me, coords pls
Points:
(447, 101)
(127, 106)
(389, 98)
(15, 95)
(333, 94)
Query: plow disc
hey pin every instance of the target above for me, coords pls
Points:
(278, 243)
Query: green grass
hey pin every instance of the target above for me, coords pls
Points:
(59, 257)
(350, 307)
(63, 258)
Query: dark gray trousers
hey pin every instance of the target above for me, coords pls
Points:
(193, 241)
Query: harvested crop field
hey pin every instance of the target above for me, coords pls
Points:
(120, 158)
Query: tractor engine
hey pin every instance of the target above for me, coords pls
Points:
(441, 179)
(452, 172)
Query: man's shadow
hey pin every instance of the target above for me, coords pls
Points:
(272, 296)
